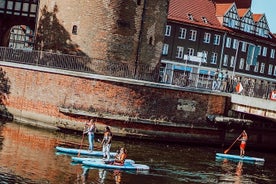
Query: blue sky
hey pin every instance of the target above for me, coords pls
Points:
(268, 8)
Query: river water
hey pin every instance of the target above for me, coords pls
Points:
(28, 155)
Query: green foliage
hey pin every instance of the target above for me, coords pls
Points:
(4, 86)
(4, 91)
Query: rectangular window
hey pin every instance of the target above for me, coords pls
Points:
(241, 65)
(247, 67)
(228, 42)
(225, 60)
(264, 51)
(270, 69)
(244, 44)
(179, 52)
(274, 71)
(232, 61)
(272, 53)
(182, 33)
(168, 30)
(190, 51)
(193, 35)
(216, 39)
(204, 55)
(260, 50)
(214, 58)
(207, 37)
(262, 68)
(235, 44)
(256, 68)
(165, 49)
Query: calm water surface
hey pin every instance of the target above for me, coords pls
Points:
(27, 155)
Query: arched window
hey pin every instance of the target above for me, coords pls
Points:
(75, 30)
(21, 37)
(151, 40)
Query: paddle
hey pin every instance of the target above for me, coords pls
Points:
(232, 144)
(81, 142)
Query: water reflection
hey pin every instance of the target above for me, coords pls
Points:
(233, 172)
(84, 175)
(102, 173)
(28, 155)
(117, 176)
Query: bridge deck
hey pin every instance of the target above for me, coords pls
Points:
(255, 106)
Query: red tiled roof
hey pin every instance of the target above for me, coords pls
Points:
(179, 10)
(257, 17)
(242, 11)
(221, 9)
(210, 9)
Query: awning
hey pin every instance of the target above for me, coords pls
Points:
(204, 72)
(183, 68)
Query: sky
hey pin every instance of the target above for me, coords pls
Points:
(268, 8)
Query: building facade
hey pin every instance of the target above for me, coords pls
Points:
(217, 37)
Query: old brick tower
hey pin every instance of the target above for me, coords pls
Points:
(127, 31)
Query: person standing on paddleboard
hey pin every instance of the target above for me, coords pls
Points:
(91, 129)
(106, 143)
(243, 140)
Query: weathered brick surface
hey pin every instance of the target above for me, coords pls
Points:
(110, 30)
(44, 93)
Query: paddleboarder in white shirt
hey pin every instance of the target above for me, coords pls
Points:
(106, 143)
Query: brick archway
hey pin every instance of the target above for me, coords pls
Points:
(16, 12)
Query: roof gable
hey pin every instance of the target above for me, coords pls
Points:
(222, 9)
(243, 12)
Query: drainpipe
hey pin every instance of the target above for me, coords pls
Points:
(137, 58)
(222, 51)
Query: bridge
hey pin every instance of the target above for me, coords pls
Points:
(254, 106)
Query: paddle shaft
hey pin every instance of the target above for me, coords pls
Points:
(232, 144)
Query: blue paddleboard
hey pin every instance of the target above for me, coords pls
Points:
(81, 151)
(239, 158)
(126, 166)
(81, 159)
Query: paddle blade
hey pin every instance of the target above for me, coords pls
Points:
(226, 151)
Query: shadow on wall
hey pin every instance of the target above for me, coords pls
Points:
(4, 91)
(53, 37)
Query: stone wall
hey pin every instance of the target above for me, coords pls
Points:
(40, 95)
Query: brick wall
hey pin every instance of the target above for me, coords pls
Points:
(43, 93)
(107, 30)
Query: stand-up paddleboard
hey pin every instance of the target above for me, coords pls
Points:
(75, 151)
(240, 158)
(81, 159)
(126, 166)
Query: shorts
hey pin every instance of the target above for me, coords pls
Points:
(242, 146)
